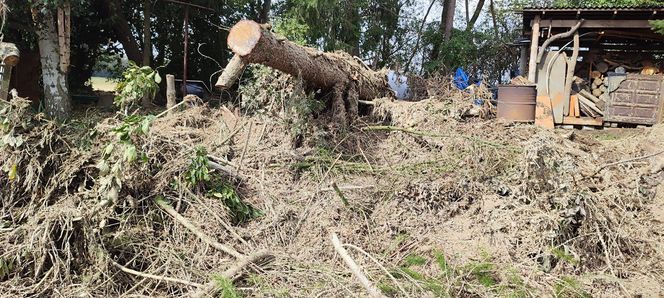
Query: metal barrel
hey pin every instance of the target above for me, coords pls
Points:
(517, 103)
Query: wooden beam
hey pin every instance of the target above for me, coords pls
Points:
(571, 67)
(583, 121)
(532, 64)
(613, 24)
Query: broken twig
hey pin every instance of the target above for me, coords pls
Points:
(354, 268)
(157, 277)
(191, 227)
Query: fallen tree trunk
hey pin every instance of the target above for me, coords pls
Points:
(346, 76)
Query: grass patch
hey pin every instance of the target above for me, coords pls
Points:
(226, 287)
(569, 287)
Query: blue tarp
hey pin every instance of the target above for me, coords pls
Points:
(462, 81)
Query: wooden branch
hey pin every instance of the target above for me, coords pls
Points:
(191, 227)
(556, 37)
(571, 67)
(233, 273)
(627, 161)
(156, 277)
(231, 73)
(354, 268)
(191, 4)
(226, 170)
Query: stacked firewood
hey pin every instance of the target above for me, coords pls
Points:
(591, 98)
(600, 84)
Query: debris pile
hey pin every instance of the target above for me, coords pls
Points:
(427, 201)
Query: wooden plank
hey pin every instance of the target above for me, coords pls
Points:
(613, 24)
(543, 112)
(540, 74)
(589, 104)
(557, 86)
(583, 121)
(591, 97)
(573, 106)
(532, 64)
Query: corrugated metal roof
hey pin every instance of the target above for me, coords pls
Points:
(596, 7)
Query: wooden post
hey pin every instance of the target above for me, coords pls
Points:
(532, 65)
(170, 92)
(569, 78)
(523, 61)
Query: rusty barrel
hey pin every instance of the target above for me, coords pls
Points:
(517, 102)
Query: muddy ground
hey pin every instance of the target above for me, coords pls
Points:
(428, 202)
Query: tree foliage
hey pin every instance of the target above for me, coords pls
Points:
(382, 33)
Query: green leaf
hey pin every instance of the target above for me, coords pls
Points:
(157, 78)
(13, 172)
(145, 126)
(130, 154)
(109, 149)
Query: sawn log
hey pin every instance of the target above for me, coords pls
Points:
(338, 72)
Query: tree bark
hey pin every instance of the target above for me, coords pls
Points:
(467, 13)
(492, 10)
(123, 31)
(476, 15)
(264, 17)
(445, 27)
(450, 9)
(255, 44)
(147, 33)
(147, 45)
(56, 94)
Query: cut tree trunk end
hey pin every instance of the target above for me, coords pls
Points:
(342, 75)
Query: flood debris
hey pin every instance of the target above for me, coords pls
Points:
(431, 205)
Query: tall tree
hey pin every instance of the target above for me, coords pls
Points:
(492, 10)
(122, 28)
(265, 11)
(476, 15)
(54, 57)
(147, 32)
(445, 27)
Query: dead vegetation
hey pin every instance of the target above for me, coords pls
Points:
(427, 201)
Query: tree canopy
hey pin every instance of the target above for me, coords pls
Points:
(407, 35)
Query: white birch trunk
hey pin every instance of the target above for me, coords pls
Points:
(56, 93)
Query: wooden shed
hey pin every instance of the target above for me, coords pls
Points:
(595, 65)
